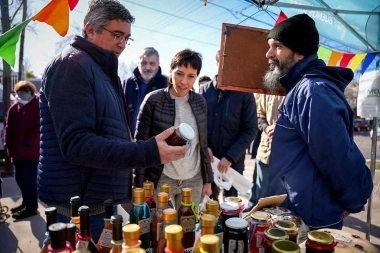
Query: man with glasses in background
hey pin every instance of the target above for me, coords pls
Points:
(86, 145)
(146, 77)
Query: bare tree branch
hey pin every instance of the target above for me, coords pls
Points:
(16, 11)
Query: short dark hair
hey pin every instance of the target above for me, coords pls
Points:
(204, 78)
(187, 57)
(101, 12)
(25, 86)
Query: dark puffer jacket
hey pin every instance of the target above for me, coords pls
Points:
(86, 146)
(159, 107)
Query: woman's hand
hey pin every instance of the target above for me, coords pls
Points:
(206, 190)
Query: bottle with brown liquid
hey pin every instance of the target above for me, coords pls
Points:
(167, 188)
(104, 243)
(187, 217)
(174, 236)
(208, 222)
(162, 200)
(131, 234)
(57, 232)
(51, 218)
(149, 198)
(75, 204)
(117, 233)
(169, 218)
(140, 215)
(210, 244)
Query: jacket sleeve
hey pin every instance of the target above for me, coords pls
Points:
(143, 132)
(262, 122)
(333, 149)
(248, 129)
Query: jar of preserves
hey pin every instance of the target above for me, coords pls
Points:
(183, 134)
(285, 246)
(289, 227)
(319, 241)
(270, 235)
(261, 221)
(235, 237)
(228, 210)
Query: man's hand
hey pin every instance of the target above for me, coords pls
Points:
(210, 154)
(269, 131)
(223, 165)
(169, 153)
(206, 190)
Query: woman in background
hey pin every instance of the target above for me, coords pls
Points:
(172, 106)
(22, 142)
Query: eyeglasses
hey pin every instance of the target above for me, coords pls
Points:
(118, 37)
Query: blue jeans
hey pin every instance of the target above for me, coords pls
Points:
(96, 224)
(26, 179)
(262, 180)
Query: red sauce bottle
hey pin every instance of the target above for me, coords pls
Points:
(187, 218)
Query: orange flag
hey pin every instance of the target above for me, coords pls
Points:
(281, 17)
(56, 14)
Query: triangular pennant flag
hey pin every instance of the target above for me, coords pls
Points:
(345, 60)
(281, 17)
(378, 63)
(367, 61)
(55, 14)
(334, 58)
(8, 41)
(72, 4)
(323, 53)
(356, 61)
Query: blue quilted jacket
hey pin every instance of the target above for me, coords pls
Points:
(86, 147)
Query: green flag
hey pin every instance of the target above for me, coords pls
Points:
(8, 43)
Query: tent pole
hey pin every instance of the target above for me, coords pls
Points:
(372, 167)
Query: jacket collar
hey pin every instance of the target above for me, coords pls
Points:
(167, 94)
(105, 59)
(290, 79)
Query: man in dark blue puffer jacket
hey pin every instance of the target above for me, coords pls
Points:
(86, 147)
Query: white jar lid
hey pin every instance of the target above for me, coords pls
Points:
(229, 206)
(236, 223)
(186, 131)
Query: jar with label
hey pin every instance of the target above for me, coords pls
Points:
(140, 215)
(319, 241)
(261, 221)
(228, 210)
(187, 217)
(285, 246)
(270, 235)
(183, 134)
(235, 237)
(289, 227)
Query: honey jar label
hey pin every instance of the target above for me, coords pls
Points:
(187, 223)
(105, 238)
(144, 226)
(236, 247)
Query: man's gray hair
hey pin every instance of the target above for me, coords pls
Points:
(148, 52)
(101, 12)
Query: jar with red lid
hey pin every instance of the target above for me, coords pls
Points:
(261, 221)
(319, 241)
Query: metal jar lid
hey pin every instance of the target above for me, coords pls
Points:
(288, 226)
(276, 234)
(186, 131)
(320, 237)
(236, 223)
(285, 246)
(233, 199)
(229, 206)
(261, 216)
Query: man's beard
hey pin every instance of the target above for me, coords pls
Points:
(271, 80)
(148, 76)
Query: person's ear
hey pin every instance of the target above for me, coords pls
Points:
(89, 30)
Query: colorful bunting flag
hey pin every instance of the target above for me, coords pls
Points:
(367, 61)
(8, 41)
(334, 58)
(55, 14)
(356, 61)
(345, 60)
(323, 53)
(281, 17)
(72, 4)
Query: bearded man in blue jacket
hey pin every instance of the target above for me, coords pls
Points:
(318, 166)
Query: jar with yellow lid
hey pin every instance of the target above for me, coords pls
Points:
(237, 200)
(261, 221)
(210, 244)
(290, 227)
(319, 241)
(285, 246)
(269, 236)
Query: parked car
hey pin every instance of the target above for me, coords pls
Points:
(378, 132)
(361, 124)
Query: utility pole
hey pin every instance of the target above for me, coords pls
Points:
(21, 71)
(5, 24)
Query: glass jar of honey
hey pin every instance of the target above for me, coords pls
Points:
(261, 221)
(319, 241)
